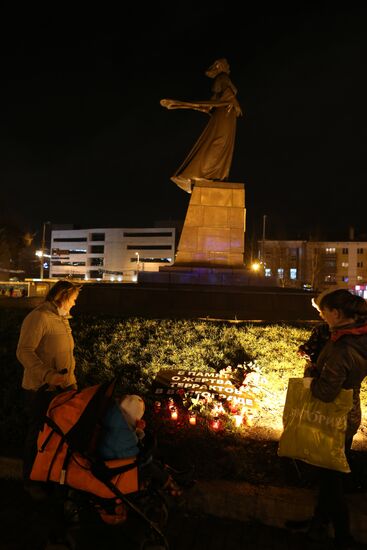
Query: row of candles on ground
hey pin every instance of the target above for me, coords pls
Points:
(237, 414)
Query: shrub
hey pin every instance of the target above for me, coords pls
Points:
(137, 349)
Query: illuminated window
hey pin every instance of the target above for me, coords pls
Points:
(330, 250)
(267, 272)
(57, 262)
(345, 264)
(281, 273)
(58, 252)
(345, 279)
(293, 273)
(150, 260)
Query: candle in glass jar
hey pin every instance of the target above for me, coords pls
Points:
(216, 424)
(238, 419)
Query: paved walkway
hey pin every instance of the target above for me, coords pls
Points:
(205, 532)
(23, 525)
(217, 515)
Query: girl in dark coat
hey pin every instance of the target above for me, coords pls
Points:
(342, 363)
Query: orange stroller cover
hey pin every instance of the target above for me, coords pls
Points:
(66, 444)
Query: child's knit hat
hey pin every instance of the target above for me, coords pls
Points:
(133, 408)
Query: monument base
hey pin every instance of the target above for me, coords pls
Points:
(213, 234)
(220, 276)
(211, 246)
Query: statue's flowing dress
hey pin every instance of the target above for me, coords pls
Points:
(211, 156)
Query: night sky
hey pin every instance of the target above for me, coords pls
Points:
(85, 141)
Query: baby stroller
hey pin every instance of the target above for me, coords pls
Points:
(66, 456)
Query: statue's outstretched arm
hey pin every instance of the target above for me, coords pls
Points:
(176, 104)
(203, 106)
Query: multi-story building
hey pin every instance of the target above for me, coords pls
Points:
(113, 254)
(316, 265)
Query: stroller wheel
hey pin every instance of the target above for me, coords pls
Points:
(185, 478)
(156, 510)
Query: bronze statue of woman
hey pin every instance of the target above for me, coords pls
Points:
(211, 157)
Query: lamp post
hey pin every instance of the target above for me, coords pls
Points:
(41, 253)
(255, 266)
(263, 239)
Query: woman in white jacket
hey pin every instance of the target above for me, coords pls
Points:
(46, 352)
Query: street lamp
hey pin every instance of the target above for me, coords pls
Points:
(41, 253)
(263, 239)
(255, 266)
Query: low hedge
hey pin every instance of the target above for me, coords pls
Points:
(137, 349)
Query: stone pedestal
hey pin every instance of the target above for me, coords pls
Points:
(213, 234)
(212, 244)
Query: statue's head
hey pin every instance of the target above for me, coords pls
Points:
(219, 66)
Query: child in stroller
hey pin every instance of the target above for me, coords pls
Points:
(123, 436)
(74, 452)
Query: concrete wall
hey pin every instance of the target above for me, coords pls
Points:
(187, 301)
(192, 301)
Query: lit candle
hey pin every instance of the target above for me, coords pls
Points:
(250, 419)
(192, 419)
(233, 407)
(238, 419)
(174, 413)
(216, 424)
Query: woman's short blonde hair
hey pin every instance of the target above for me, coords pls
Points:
(61, 291)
